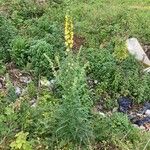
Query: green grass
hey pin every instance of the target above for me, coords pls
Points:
(94, 19)
(62, 118)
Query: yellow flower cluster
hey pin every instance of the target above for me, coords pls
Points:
(68, 32)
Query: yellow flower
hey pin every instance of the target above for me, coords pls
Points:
(71, 45)
(66, 44)
(68, 32)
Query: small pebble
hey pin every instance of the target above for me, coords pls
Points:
(115, 109)
(33, 101)
(95, 81)
(139, 115)
(25, 79)
(147, 112)
(102, 114)
(17, 90)
(52, 81)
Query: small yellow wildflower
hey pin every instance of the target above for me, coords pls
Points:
(68, 32)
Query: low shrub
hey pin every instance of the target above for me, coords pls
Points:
(47, 29)
(39, 64)
(117, 78)
(8, 31)
(20, 51)
(116, 130)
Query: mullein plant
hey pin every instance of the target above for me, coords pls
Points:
(68, 33)
(73, 123)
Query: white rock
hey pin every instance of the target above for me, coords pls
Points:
(139, 115)
(17, 90)
(147, 112)
(136, 49)
(52, 81)
(95, 81)
(25, 79)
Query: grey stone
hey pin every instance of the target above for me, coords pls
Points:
(95, 81)
(33, 103)
(136, 49)
(147, 112)
(25, 79)
(18, 90)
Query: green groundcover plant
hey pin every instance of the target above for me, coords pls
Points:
(59, 116)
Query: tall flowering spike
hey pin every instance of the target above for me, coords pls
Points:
(68, 32)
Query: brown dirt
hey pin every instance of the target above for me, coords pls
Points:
(78, 41)
(136, 107)
(15, 74)
(101, 146)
